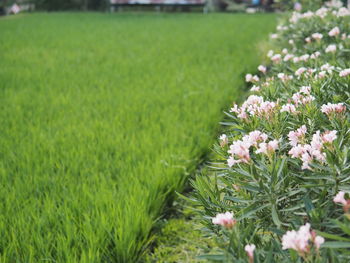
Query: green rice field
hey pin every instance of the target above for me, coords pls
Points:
(103, 117)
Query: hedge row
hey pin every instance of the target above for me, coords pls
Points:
(278, 190)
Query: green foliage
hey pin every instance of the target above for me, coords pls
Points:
(272, 193)
(102, 118)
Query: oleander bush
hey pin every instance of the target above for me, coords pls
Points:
(282, 166)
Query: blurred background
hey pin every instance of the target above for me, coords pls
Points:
(249, 6)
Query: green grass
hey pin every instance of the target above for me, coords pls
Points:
(102, 117)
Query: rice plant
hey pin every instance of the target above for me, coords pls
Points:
(103, 116)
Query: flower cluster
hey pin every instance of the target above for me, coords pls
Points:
(240, 150)
(307, 153)
(254, 106)
(333, 110)
(302, 240)
(299, 98)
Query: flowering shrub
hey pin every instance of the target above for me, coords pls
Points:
(283, 163)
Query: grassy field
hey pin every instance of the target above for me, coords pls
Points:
(102, 117)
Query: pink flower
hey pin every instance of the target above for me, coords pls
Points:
(284, 77)
(317, 36)
(266, 108)
(327, 68)
(289, 108)
(331, 109)
(308, 40)
(225, 220)
(307, 99)
(304, 57)
(250, 251)
(321, 75)
(288, 57)
(316, 142)
(232, 161)
(251, 78)
(322, 12)
(255, 88)
(305, 89)
(267, 148)
(239, 149)
(329, 136)
(334, 32)
(276, 58)
(262, 148)
(262, 69)
(297, 240)
(343, 11)
(331, 48)
(339, 198)
(296, 136)
(344, 72)
(302, 240)
(254, 106)
(306, 157)
(297, 7)
(296, 151)
(318, 242)
(300, 71)
(273, 145)
(254, 137)
(315, 55)
(296, 59)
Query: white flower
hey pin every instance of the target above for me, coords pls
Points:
(270, 53)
